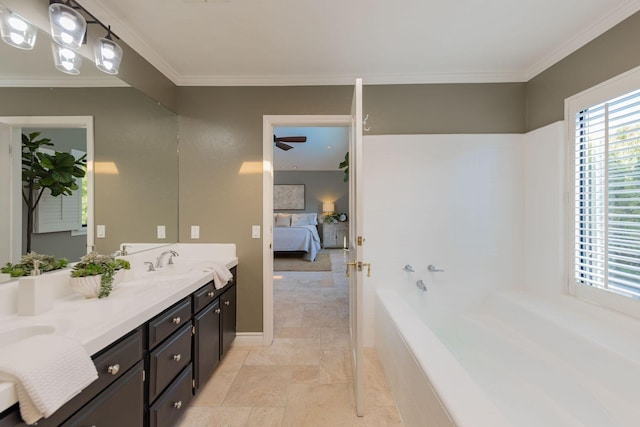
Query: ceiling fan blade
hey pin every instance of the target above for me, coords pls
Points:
(290, 139)
(282, 146)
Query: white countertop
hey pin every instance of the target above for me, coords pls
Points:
(96, 323)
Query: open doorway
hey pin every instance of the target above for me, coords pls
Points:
(305, 197)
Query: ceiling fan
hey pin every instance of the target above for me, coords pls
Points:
(280, 141)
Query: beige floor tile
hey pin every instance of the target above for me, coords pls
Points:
(333, 369)
(260, 386)
(266, 417)
(377, 392)
(286, 351)
(305, 375)
(299, 333)
(380, 416)
(335, 339)
(319, 405)
(213, 392)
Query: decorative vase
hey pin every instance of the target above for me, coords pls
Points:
(89, 286)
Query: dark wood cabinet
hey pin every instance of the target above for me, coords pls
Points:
(206, 343)
(120, 405)
(168, 359)
(228, 327)
(173, 402)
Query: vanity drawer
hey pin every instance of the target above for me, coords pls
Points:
(204, 296)
(168, 360)
(173, 402)
(168, 321)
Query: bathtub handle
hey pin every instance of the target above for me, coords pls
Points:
(432, 268)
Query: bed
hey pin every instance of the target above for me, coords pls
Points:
(296, 233)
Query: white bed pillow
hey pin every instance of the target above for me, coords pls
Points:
(283, 220)
(304, 219)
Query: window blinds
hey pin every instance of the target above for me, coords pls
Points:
(607, 191)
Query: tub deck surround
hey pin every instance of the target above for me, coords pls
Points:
(517, 358)
(96, 323)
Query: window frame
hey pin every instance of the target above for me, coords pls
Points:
(608, 90)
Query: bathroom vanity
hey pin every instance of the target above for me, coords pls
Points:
(149, 375)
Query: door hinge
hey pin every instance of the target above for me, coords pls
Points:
(144, 375)
(360, 240)
(193, 330)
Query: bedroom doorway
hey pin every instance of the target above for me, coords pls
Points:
(302, 199)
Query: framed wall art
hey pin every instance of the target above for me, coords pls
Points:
(288, 197)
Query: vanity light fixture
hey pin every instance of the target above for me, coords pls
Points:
(17, 31)
(65, 59)
(108, 54)
(68, 26)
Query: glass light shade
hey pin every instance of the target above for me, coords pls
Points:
(108, 55)
(17, 31)
(68, 26)
(66, 60)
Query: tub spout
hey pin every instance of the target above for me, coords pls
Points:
(408, 268)
(420, 284)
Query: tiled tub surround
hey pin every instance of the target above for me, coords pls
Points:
(96, 323)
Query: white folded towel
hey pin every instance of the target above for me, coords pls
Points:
(221, 275)
(47, 370)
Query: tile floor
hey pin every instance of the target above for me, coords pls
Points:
(304, 378)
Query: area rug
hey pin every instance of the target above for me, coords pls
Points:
(288, 263)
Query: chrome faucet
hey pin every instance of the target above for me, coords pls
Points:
(420, 284)
(160, 259)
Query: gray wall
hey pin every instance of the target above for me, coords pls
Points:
(613, 53)
(221, 127)
(319, 186)
(135, 133)
(61, 244)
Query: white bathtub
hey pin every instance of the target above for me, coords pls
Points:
(516, 359)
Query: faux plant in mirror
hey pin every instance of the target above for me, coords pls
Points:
(345, 165)
(56, 172)
(25, 266)
(96, 275)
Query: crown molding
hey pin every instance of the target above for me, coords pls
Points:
(605, 23)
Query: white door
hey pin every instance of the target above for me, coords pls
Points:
(355, 266)
(5, 194)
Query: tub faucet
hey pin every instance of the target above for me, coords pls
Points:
(420, 284)
(408, 268)
(160, 259)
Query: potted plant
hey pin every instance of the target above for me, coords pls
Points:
(25, 266)
(95, 274)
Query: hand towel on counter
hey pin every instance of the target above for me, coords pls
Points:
(48, 370)
(221, 275)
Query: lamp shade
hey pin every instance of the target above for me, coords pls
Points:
(66, 60)
(328, 207)
(108, 55)
(68, 26)
(17, 31)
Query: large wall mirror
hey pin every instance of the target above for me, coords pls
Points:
(133, 183)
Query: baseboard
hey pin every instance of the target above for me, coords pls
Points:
(249, 339)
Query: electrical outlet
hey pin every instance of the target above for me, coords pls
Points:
(101, 231)
(255, 231)
(162, 232)
(195, 231)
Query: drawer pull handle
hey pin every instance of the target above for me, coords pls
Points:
(211, 294)
(217, 310)
(177, 404)
(227, 302)
(114, 369)
(176, 320)
(177, 357)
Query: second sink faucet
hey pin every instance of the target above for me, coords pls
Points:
(160, 259)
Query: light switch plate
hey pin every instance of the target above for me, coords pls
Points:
(255, 231)
(195, 231)
(101, 231)
(162, 232)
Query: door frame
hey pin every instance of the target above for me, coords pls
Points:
(268, 123)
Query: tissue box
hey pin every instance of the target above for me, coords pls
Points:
(35, 296)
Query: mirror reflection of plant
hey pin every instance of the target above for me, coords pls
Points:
(95, 264)
(345, 165)
(56, 172)
(25, 266)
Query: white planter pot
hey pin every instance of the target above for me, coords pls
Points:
(90, 286)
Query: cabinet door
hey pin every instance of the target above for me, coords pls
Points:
(206, 342)
(120, 405)
(228, 306)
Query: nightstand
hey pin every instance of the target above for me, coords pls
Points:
(335, 234)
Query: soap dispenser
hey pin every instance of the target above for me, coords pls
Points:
(34, 294)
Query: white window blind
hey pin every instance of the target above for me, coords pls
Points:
(607, 196)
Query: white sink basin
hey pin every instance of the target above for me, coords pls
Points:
(11, 336)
